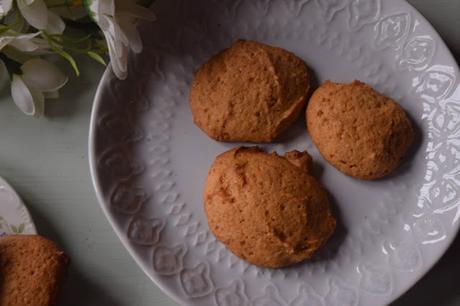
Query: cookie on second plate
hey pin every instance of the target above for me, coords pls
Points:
(32, 270)
(267, 209)
(358, 130)
(249, 92)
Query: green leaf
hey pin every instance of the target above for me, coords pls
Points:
(69, 58)
(14, 229)
(96, 57)
(56, 47)
(21, 228)
(3, 29)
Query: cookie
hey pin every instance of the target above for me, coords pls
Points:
(359, 131)
(250, 92)
(32, 270)
(267, 209)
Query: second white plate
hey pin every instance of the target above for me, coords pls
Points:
(14, 216)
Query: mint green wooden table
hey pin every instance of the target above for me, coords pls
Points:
(46, 161)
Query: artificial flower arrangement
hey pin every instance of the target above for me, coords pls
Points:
(34, 34)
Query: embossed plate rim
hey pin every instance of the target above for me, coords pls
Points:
(450, 238)
(99, 193)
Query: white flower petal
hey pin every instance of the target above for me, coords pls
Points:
(43, 46)
(102, 22)
(123, 59)
(107, 7)
(24, 42)
(43, 75)
(115, 30)
(5, 7)
(5, 40)
(29, 100)
(98, 8)
(118, 19)
(35, 12)
(118, 33)
(29, 42)
(119, 53)
(115, 40)
(24, 45)
(55, 24)
(117, 67)
(22, 96)
(130, 31)
(93, 9)
(116, 62)
(28, 36)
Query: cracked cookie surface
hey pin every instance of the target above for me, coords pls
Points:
(356, 129)
(249, 92)
(267, 209)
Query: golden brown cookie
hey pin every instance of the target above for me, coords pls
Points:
(32, 270)
(359, 131)
(249, 92)
(266, 208)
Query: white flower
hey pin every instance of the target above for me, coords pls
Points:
(118, 20)
(39, 80)
(55, 24)
(22, 47)
(36, 13)
(5, 7)
(29, 100)
(22, 42)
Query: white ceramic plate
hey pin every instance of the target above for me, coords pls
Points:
(14, 217)
(149, 161)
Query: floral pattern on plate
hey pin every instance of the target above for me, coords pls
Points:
(14, 217)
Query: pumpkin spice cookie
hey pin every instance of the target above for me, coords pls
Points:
(249, 92)
(267, 209)
(32, 270)
(359, 131)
